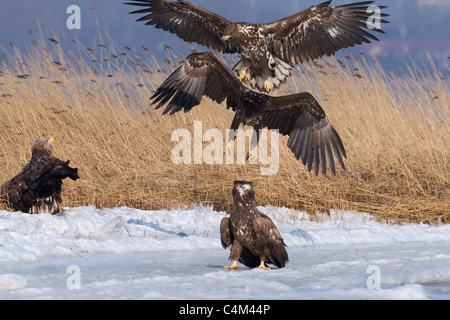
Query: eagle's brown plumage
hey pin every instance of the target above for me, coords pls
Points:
(251, 236)
(267, 50)
(311, 136)
(37, 188)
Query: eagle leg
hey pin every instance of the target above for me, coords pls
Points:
(267, 85)
(236, 250)
(263, 266)
(232, 133)
(233, 266)
(228, 146)
(252, 154)
(243, 76)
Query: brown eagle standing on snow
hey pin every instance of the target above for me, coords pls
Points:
(37, 188)
(251, 236)
(268, 50)
(311, 136)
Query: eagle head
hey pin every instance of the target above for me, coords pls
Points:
(243, 193)
(41, 147)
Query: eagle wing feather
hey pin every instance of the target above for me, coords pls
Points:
(226, 236)
(203, 74)
(180, 17)
(269, 238)
(311, 135)
(40, 178)
(320, 30)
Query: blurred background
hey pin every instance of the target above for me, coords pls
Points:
(417, 27)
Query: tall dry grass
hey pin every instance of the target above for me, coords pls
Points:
(95, 102)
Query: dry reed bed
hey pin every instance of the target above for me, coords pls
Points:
(95, 102)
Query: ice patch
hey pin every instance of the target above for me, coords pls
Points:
(26, 238)
(130, 253)
(12, 282)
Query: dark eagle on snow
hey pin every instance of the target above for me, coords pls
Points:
(37, 188)
(311, 135)
(268, 50)
(251, 236)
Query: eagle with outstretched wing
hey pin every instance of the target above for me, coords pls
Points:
(251, 236)
(37, 188)
(311, 135)
(269, 50)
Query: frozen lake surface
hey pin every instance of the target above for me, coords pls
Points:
(125, 253)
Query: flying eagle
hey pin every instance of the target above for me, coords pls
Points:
(268, 50)
(251, 236)
(37, 188)
(311, 135)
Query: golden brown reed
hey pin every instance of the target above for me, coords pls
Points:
(95, 102)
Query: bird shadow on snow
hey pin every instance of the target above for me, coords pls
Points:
(156, 227)
(302, 234)
(241, 268)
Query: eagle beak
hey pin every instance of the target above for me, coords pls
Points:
(51, 140)
(225, 38)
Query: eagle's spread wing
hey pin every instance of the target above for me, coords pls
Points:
(187, 20)
(311, 136)
(269, 238)
(320, 30)
(202, 74)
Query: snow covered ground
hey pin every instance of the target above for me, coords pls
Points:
(125, 253)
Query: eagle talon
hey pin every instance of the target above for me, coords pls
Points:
(227, 147)
(233, 266)
(251, 155)
(243, 76)
(267, 85)
(263, 266)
